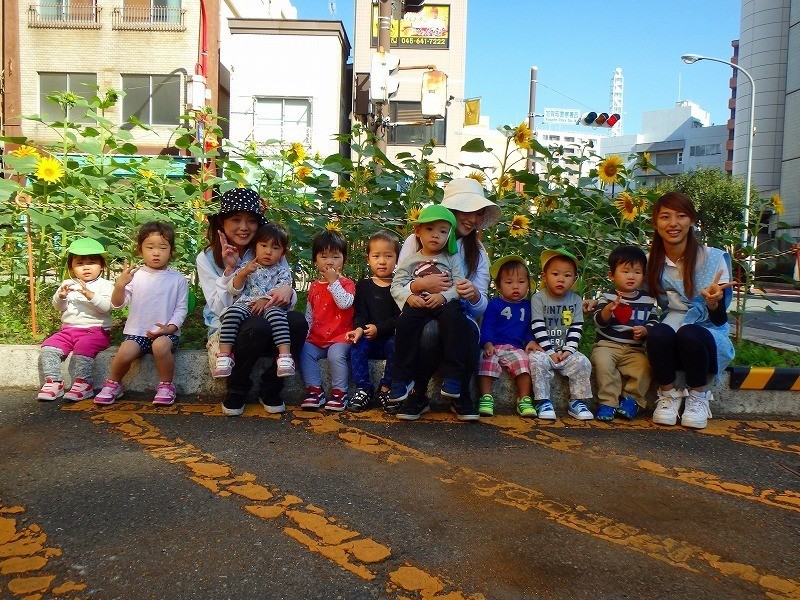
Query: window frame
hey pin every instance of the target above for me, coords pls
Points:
(65, 115)
(392, 133)
(284, 124)
(152, 89)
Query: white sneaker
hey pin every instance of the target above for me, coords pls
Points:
(667, 407)
(285, 365)
(697, 411)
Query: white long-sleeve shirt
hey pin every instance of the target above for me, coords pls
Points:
(77, 311)
(155, 296)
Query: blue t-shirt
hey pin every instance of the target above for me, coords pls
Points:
(506, 323)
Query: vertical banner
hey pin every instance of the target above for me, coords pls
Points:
(472, 111)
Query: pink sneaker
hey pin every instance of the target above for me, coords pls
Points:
(110, 392)
(165, 394)
(285, 364)
(80, 390)
(51, 390)
(224, 365)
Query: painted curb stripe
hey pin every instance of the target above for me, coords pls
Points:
(764, 378)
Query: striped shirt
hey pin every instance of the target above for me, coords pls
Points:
(557, 323)
(639, 310)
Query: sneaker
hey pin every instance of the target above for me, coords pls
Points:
(697, 411)
(224, 365)
(545, 410)
(605, 413)
(668, 405)
(80, 390)
(451, 388)
(338, 401)
(413, 407)
(270, 408)
(486, 405)
(390, 407)
(400, 391)
(285, 364)
(233, 405)
(315, 397)
(579, 410)
(110, 392)
(525, 407)
(464, 410)
(51, 390)
(165, 394)
(627, 408)
(361, 400)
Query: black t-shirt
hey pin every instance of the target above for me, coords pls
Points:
(374, 304)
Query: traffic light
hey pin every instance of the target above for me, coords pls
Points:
(383, 80)
(410, 6)
(599, 119)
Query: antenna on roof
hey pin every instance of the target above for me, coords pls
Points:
(332, 8)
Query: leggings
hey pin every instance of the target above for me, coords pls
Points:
(236, 314)
(691, 349)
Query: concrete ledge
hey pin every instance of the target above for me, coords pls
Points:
(193, 379)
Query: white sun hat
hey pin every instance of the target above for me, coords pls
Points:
(467, 195)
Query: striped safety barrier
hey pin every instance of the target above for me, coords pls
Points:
(764, 378)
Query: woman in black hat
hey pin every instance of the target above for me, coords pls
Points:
(230, 235)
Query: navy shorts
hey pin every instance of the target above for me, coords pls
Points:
(146, 344)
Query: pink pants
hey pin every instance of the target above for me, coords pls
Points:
(83, 341)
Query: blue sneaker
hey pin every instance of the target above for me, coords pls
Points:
(579, 410)
(605, 413)
(627, 408)
(451, 388)
(545, 410)
(400, 391)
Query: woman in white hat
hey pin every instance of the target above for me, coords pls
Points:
(474, 212)
(230, 243)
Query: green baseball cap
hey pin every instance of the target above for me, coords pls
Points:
(548, 255)
(437, 212)
(496, 265)
(86, 247)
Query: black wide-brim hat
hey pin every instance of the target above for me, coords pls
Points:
(241, 199)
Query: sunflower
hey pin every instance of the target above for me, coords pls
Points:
(641, 204)
(628, 206)
(302, 172)
(545, 203)
(523, 136)
(519, 226)
(23, 151)
(49, 169)
(340, 194)
(777, 203)
(298, 151)
(331, 226)
(146, 174)
(413, 213)
(644, 163)
(609, 169)
(477, 176)
(506, 182)
(431, 175)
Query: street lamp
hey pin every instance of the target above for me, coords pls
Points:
(693, 58)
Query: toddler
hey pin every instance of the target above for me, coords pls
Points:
(253, 283)
(623, 317)
(158, 297)
(329, 312)
(506, 336)
(435, 230)
(84, 301)
(374, 319)
(557, 324)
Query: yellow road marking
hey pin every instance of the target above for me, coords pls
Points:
(24, 555)
(307, 524)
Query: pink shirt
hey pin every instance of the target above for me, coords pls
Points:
(155, 296)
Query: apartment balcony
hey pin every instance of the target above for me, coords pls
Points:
(64, 15)
(146, 18)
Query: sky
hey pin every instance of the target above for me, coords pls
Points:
(577, 44)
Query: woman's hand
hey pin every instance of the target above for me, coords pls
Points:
(467, 290)
(433, 284)
(280, 296)
(714, 292)
(230, 255)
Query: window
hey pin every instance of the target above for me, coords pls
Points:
(569, 139)
(666, 159)
(707, 150)
(413, 129)
(555, 138)
(153, 99)
(64, 13)
(284, 119)
(159, 11)
(77, 83)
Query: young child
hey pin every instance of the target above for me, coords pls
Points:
(506, 336)
(253, 283)
(374, 319)
(158, 297)
(84, 301)
(435, 231)
(622, 317)
(557, 324)
(329, 312)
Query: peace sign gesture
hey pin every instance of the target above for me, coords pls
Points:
(230, 255)
(714, 292)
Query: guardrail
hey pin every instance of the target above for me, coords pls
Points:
(64, 15)
(146, 18)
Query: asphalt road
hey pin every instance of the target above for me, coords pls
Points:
(783, 326)
(136, 502)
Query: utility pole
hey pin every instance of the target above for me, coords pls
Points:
(530, 165)
(381, 111)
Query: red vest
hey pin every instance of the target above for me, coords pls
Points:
(329, 323)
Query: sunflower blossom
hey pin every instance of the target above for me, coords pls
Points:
(413, 213)
(545, 203)
(340, 194)
(519, 226)
(477, 176)
(777, 203)
(609, 169)
(506, 182)
(628, 206)
(146, 174)
(331, 226)
(23, 151)
(431, 175)
(49, 169)
(302, 172)
(644, 163)
(523, 136)
(299, 151)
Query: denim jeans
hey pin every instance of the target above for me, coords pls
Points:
(359, 361)
(337, 360)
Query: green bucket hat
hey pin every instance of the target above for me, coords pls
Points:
(86, 247)
(548, 255)
(495, 268)
(436, 212)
